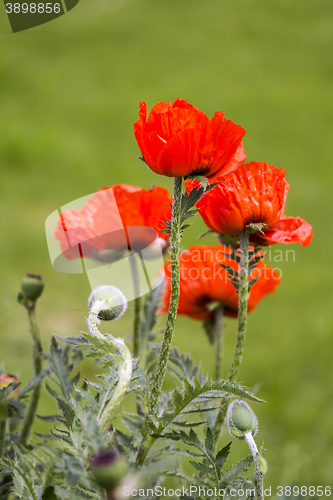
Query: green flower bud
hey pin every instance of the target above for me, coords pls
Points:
(110, 300)
(108, 468)
(241, 419)
(32, 286)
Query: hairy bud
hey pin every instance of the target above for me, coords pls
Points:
(32, 286)
(110, 302)
(241, 419)
(108, 468)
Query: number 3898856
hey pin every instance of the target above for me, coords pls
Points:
(33, 8)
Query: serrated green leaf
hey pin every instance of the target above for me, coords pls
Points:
(76, 341)
(209, 441)
(60, 366)
(177, 399)
(236, 471)
(66, 409)
(202, 467)
(222, 456)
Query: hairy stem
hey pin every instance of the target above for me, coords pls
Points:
(172, 313)
(241, 330)
(254, 451)
(38, 364)
(219, 340)
(137, 305)
(171, 317)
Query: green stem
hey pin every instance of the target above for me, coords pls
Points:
(38, 362)
(171, 317)
(241, 329)
(242, 306)
(137, 305)
(219, 340)
(2, 436)
(144, 342)
(175, 287)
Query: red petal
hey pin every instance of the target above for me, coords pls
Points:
(180, 140)
(99, 225)
(287, 230)
(203, 280)
(255, 192)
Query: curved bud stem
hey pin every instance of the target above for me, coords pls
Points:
(254, 451)
(124, 360)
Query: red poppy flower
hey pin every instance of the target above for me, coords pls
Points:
(113, 219)
(180, 140)
(203, 281)
(255, 193)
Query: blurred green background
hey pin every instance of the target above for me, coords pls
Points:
(70, 91)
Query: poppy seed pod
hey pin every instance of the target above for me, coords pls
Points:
(241, 419)
(32, 286)
(108, 468)
(110, 301)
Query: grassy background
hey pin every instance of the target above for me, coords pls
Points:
(70, 92)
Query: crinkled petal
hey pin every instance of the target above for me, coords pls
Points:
(254, 193)
(180, 140)
(287, 230)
